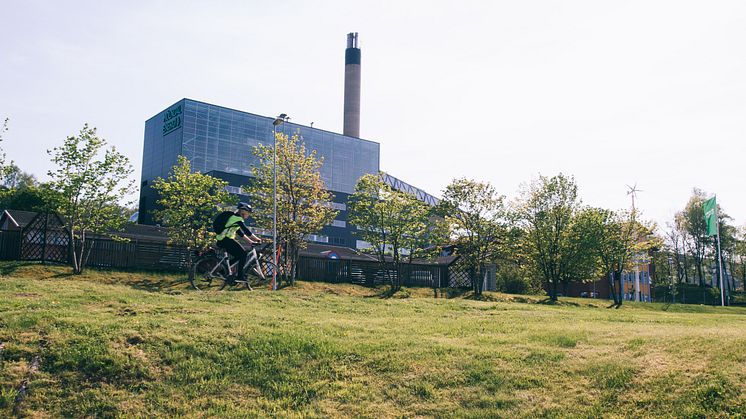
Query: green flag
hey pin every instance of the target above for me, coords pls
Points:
(710, 208)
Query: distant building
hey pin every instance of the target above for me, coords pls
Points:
(600, 288)
(629, 283)
(218, 141)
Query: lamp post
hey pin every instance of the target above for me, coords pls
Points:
(279, 120)
(673, 285)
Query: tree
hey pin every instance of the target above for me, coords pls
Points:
(547, 209)
(389, 220)
(5, 170)
(620, 239)
(581, 263)
(15, 178)
(691, 223)
(739, 258)
(477, 220)
(41, 198)
(3, 130)
(302, 198)
(615, 241)
(91, 180)
(188, 202)
(674, 244)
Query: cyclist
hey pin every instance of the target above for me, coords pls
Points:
(233, 225)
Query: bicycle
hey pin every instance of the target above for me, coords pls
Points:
(215, 264)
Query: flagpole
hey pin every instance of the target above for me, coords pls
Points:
(720, 259)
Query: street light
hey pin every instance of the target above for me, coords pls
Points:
(673, 285)
(279, 120)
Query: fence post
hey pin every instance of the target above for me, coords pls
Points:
(44, 239)
(20, 244)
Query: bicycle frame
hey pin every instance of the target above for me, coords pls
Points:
(252, 258)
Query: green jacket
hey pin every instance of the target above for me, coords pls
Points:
(233, 226)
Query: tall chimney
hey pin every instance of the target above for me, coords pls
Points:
(351, 126)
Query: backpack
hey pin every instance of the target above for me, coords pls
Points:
(218, 224)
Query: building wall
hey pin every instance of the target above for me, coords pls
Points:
(628, 284)
(217, 139)
(600, 288)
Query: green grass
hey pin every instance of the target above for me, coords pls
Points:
(118, 344)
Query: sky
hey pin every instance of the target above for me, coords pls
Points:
(651, 93)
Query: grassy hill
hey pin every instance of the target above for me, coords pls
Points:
(124, 344)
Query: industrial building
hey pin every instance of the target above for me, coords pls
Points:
(218, 141)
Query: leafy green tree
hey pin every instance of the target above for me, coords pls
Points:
(675, 246)
(390, 220)
(39, 198)
(581, 263)
(517, 274)
(615, 239)
(5, 169)
(693, 228)
(188, 202)
(619, 239)
(302, 198)
(477, 220)
(547, 209)
(739, 256)
(92, 180)
(3, 130)
(15, 178)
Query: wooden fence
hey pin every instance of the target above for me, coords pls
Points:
(10, 245)
(370, 273)
(108, 253)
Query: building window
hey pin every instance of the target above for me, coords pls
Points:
(337, 240)
(338, 223)
(362, 244)
(338, 206)
(234, 190)
(318, 238)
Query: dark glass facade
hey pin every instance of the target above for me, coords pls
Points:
(220, 140)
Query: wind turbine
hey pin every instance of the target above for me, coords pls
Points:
(633, 193)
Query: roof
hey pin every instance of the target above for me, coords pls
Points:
(20, 219)
(440, 260)
(334, 252)
(291, 124)
(405, 187)
(17, 218)
(144, 232)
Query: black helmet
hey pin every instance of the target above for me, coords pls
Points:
(243, 206)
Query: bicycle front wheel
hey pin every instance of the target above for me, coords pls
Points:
(261, 273)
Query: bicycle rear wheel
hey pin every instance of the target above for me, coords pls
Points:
(204, 273)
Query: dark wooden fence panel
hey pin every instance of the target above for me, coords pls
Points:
(370, 273)
(108, 253)
(10, 245)
(45, 239)
(459, 275)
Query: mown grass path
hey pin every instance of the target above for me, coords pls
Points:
(119, 344)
